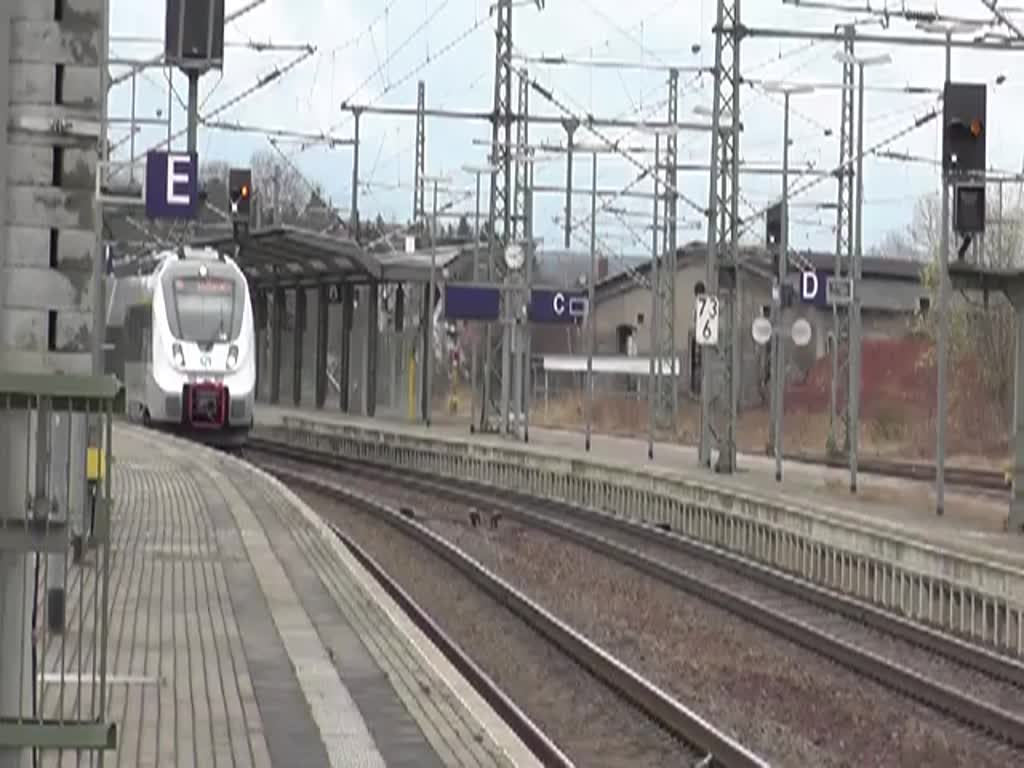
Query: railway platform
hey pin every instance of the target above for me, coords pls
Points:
(972, 524)
(243, 633)
(962, 572)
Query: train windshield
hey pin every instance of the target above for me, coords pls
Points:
(205, 308)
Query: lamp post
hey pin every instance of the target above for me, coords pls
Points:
(778, 345)
(853, 394)
(942, 343)
(428, 337)
(477, 171)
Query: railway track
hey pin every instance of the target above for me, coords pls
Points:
(970, 684)
(708, 746)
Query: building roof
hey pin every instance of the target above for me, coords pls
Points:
(290, 257)
(757, 260)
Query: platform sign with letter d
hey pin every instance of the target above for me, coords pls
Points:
(707, 320)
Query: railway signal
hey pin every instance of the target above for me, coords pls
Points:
(963, 137)
(969, 209)
(773, 226)
(240, 193)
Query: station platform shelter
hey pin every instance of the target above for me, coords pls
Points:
(316, 297)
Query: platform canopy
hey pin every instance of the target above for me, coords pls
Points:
(414, 266)
(974, 277)
(292, 257)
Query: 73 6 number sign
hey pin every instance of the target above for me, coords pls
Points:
(707, 320)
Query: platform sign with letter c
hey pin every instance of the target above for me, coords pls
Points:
(707, 320)
(552, 306)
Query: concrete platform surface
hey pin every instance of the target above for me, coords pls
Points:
(973, 524)
(244, 634)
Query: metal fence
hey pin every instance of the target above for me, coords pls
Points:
(55, 568)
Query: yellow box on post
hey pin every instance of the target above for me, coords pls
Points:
(95, 464)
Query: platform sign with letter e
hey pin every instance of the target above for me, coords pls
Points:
(707, 319)
(172, 185)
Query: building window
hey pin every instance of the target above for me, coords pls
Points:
(639, 318)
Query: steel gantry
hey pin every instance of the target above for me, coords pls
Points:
(419, 208)
(500, 216)
(521, 160)
(844, 256)
(663, 337)
(720, 369)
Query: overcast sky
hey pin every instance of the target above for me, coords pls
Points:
(374, 51)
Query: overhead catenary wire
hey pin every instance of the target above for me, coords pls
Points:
(275, 75)
(774, 60)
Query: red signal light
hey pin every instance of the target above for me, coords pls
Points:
(975, 128)
(245, 191)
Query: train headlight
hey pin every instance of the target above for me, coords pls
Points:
(178, 355)
(232, 356)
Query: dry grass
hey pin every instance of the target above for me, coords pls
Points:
(897, 431)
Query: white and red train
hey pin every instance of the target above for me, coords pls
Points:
(184, 333)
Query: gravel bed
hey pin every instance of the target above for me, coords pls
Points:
(588, 721)
(980, 685)
(788, 704)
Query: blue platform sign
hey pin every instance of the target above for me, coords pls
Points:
(811, 284)
(172, 185)
(551, 306)
(471, 302)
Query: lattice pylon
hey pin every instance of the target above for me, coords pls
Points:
(720, 365)
(419, 212)
(500, 215)
(522, 169)
(839, 421)
(666, 401)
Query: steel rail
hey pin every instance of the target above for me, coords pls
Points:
(532, 736)
(968, 709)
(640, 692)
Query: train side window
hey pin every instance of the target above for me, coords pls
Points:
(146, 327)
(144, 346)
(131, 335)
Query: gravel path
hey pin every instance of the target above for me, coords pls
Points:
(592, 725)
(784, 702)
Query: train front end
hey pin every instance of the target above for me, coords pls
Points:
(204, 362)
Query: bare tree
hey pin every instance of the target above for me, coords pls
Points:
(293, 192)
(981, 327)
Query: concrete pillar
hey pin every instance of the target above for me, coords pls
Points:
(399, 385)
(259, 312)
(321, 346)
(300, 327)
(275, 346)
(372, 338)
(426, 347)
(345, 354)
(1015, 522)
